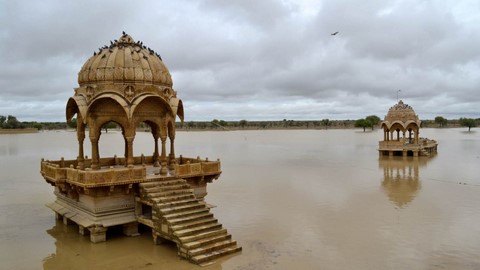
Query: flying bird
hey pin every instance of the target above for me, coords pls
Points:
(333, 34)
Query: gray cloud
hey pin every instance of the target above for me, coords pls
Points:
(252, 60)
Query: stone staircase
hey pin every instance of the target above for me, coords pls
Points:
(424, 152)
(177, 215)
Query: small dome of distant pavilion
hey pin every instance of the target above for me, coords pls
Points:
(401, 112)
(125, 60)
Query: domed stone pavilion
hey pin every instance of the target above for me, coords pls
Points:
(127, 83)
(401, 134)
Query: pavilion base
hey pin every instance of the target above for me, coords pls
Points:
(95, 215)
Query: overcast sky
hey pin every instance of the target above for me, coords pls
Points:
(255, 59)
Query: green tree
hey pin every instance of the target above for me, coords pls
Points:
(109, 125)
(468, 122)
(12, 122)
(243, 123)
(72, 123)
(326, 123)
(373, 119)
(363, 123)
(2, 120)
(222, 123)
(441, 121)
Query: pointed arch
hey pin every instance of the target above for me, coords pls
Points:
(76, 105)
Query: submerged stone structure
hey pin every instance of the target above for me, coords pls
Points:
(127, 83)
(400, 120)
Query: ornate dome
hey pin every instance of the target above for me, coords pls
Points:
(401, 112)
(125, 61)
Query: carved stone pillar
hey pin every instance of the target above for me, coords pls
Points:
(163, 158)
(80, 158)
(130, 160)
(172, 160)
(130, 229)
(95, 155)
(156, 162)
(98, 234)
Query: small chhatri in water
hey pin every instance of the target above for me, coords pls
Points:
(401, 134)
(128, 83)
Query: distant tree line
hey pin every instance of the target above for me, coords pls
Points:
(11, 122)
(217, 124)
(371, 121)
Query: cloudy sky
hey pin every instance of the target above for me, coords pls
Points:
(255, 59)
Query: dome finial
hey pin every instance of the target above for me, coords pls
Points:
(125, 39)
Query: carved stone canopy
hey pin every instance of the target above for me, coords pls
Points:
(401, 112)
(126, 83)
(125, 60)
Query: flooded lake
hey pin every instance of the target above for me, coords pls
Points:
(293, 199)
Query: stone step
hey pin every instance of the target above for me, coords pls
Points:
(174, 192)
(199, 259)
(176, 203)
(162, 183)
(145, 220)
(197, 229)
(200, 236)
(212, 247)
(183, 208)
(207, 241)
(186, 213)
(197, 222)
(167, 187)
(167, 199)
(190, 218)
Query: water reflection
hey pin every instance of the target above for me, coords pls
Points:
(75, 251)
(401, 178)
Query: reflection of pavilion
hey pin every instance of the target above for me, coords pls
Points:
(400, 120)
(401, 178)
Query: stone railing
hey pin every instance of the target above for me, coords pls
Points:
(113, 172)
(106, 177)
(197, 168)
(391, 143)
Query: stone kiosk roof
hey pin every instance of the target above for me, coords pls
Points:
(401, 112)
(125, 60)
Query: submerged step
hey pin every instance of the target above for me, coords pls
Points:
(212, 247)
(207, 241)
(199, 259)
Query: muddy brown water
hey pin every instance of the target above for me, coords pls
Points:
(311, 199)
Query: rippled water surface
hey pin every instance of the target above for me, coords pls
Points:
(293, 199)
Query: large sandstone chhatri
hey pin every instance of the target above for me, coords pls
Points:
(127, 83)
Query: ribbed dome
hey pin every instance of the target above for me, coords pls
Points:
(401, 112)
(125, 61)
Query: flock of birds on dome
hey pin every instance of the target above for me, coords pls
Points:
(120, 45)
